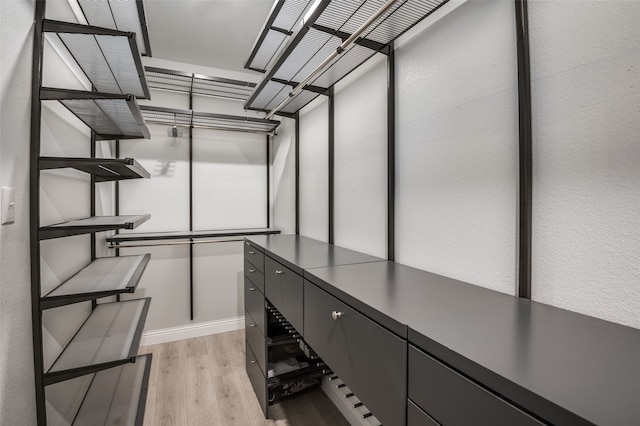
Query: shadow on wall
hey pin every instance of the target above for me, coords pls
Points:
(164, 168)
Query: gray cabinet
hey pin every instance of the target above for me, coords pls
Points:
(452, 399)
(370, 359)
(284, 289)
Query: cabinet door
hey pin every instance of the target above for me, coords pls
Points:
(368, 358)
(254, 256)
(256, 340)
(284, 289)
(254, 304)
(452, 399)
(258, 380)
(417, 417)
(254, 275)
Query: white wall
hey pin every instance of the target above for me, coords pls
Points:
(283, 184)
(229, 192)
(17, 398)
(457, 146)
(314, 179)
(585, 60)
(360, 107)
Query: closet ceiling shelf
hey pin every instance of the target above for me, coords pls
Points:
(108, 338)
(179, 235)
(103, 277)
(116, 395)
(110, 116)
(104, 169)
(123, 15)
(109, 58)
(278, 28)
(205, 120)
(90, 225)
(327, 25)
(198, 84)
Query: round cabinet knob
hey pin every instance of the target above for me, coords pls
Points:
(252, 289)
(279, 272)
(251, 271)
(252, 252)
(336, 315)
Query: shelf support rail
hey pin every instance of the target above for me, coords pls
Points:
(339, 51)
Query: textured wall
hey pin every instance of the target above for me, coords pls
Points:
(17, 398)
(314, 180)
(457, 146)
(585, 58)
(361, 159)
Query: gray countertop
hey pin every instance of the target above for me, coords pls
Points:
(566, 367)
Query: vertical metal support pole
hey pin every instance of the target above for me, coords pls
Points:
(297, 171)
(268, 183)
(93, 195)
(332, 154)
(117, 194)
(525, 153)
(34, 211)
(191, 313)
(391, 153)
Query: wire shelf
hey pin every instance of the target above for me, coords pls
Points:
(122, 15)
(326, 28)
(276, 31)
(203, 120)
(198, 84)
(109, 58)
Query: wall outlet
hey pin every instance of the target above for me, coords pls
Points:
(8, 205)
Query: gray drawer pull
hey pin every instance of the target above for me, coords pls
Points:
(252, 252)
(279, 272)
(247, 243)
(252, 361)
(336, 315)
(252, 325)
(252, 289)
(251, 271)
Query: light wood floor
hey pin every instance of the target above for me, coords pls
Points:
(202, 382)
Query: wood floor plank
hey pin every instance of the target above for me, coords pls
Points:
(171, 405)
(203, 382)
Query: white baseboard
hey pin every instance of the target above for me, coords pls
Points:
(165, 335)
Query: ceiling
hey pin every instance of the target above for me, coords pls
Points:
(213, 33)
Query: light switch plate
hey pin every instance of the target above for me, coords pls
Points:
(8, 205)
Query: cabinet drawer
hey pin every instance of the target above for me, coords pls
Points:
(257, 379)
(369, 359)
(283, 288)
(417, 417)
(256, 340)
(452, 399)
(254, 275)
(253, 255)
(254, 304)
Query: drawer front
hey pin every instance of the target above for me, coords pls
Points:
(253, 255)
(417, 417)
(284, 288)
(452, 399)
(254, 275)
(257, 379)
(256, 340)
(254, 304)
(369, 359)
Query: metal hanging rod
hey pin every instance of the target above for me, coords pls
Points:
(171, 243)
(339, 51)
